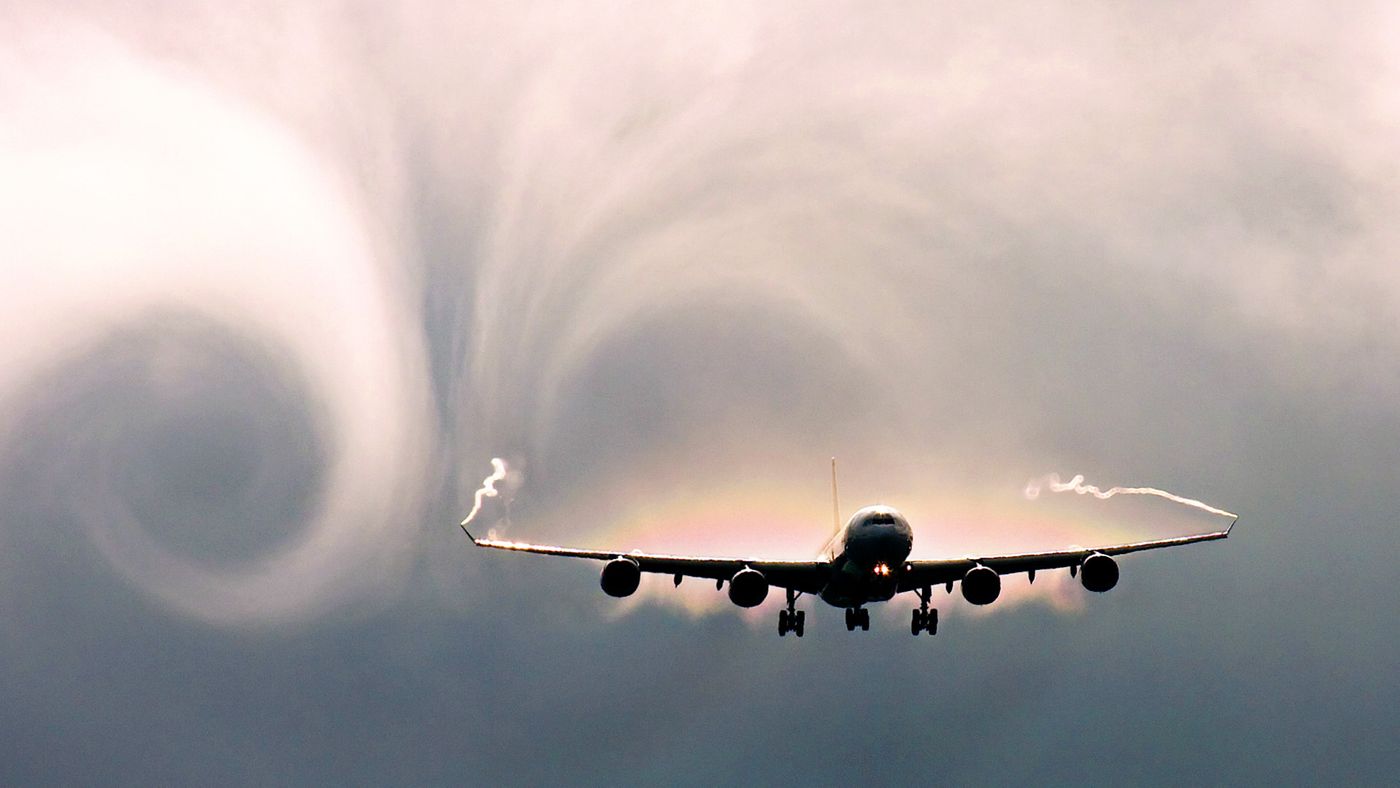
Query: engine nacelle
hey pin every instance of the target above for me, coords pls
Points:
(981, 585)
(621, 576)
(748, 588)
(1099, 573)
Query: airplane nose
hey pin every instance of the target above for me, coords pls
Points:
(883, 543)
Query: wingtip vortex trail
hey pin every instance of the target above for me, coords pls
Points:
(1077, 485)
(487, 489)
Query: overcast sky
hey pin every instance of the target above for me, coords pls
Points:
(280, 282)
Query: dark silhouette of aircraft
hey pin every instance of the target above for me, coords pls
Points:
(867, 563)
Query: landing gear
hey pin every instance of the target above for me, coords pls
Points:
(924, 619)
(857, 617)
(791, 620)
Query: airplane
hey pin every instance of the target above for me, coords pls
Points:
(868, 561)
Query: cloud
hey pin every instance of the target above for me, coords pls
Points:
(281, 281)
(135, 188)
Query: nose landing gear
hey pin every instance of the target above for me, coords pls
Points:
(791, 620)
(924, 619)
(857, 617)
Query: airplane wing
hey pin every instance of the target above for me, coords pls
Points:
(806, 576)
(931, 573)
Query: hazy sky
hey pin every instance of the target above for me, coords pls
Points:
(279, 283)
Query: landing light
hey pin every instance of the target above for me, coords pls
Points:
(882, 570)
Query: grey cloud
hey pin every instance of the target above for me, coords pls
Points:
(957, 246)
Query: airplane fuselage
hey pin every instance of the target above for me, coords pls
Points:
(872, 549)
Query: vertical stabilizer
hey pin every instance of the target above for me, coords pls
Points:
(835, 501)
(828, 551)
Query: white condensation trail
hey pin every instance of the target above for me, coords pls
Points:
(1077, 485)
(487, 489)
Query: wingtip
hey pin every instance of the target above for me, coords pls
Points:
(469, 534)
(1231, 526)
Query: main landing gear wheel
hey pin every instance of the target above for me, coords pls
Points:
(857, 617)
(924, 621)
(791, 619)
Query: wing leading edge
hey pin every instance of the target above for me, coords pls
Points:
(806, 576)
(930, 573)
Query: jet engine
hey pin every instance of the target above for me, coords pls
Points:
(748, 587)
(981, 585)
(621, 577)
(1099, 573)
